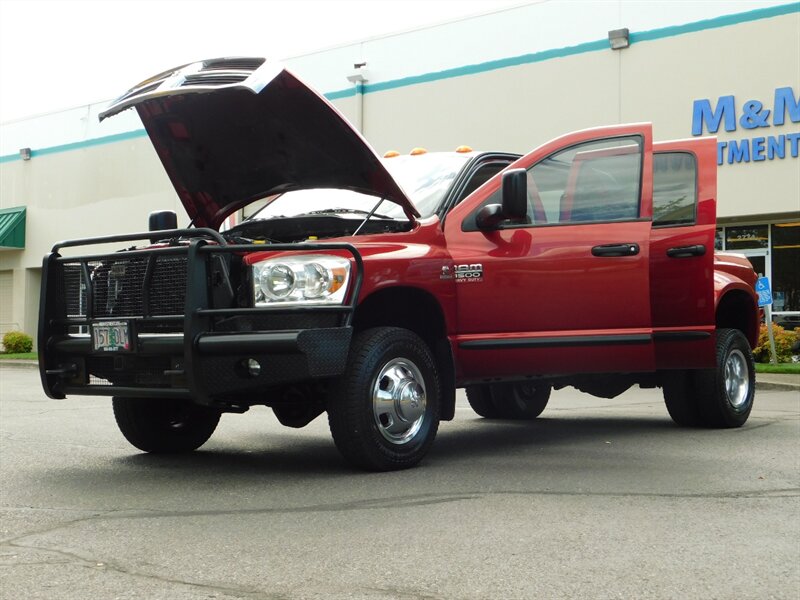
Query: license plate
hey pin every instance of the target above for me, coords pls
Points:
(111, 336)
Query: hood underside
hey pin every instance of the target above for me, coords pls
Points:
(231, 131)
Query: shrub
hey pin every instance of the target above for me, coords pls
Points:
(16, 342)
(783, 343)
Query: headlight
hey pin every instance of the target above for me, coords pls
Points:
(302, 279)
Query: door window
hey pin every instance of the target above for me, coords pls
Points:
(594, 182)
(674, 189)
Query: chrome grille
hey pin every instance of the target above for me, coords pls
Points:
(118, 287)
(210, 73)
(149, 87)
(74, 290)
(220, 78)
(233, 64)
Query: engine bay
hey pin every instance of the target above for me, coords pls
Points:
(289, 230)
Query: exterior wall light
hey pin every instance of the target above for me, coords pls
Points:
(359, 74)
(619, 38)
(25, 153)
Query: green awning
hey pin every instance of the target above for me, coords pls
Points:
(12, 228)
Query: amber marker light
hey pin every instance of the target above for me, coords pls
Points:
(391, 154)
(337, 280)
(464, 149)
(417, 151)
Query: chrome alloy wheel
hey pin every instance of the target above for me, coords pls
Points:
(399, 401)
(737, 379)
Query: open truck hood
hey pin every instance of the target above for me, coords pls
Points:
(232, 130)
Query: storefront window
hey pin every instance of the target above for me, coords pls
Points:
(786, 266)
(748, 237)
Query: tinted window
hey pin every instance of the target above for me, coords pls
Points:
(481, 175)
(674, 189)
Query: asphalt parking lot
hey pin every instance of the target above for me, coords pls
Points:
(596, 499)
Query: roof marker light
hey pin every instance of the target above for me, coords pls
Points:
(391, 154)
(463, 149)
(417, 151)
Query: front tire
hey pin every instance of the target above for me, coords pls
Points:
(162, 425)
(384, 411)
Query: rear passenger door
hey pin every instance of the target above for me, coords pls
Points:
(682, 253)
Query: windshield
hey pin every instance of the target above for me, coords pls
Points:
(425, 179)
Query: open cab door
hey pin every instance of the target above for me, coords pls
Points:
(556, 279)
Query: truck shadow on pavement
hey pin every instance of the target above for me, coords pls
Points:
(247, 469)
(491, 440)
(490, 437)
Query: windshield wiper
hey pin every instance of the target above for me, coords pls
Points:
(349, 211)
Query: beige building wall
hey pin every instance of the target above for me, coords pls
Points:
(512, 109)
(662, 78)
(88, 192)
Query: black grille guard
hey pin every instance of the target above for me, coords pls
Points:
(59, 349)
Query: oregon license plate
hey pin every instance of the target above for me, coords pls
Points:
(111, 336)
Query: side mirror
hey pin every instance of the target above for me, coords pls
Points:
(514, 205)
(489, 217)
(515, 194)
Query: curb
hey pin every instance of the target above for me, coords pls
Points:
(774, 386)
(21, 364)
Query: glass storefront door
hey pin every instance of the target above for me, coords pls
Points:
(753, 242)
(758, 258)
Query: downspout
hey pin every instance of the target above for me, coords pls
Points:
(357, 78)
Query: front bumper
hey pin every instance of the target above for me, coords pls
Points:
(201, 347)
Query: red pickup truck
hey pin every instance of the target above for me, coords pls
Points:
(371, 288)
